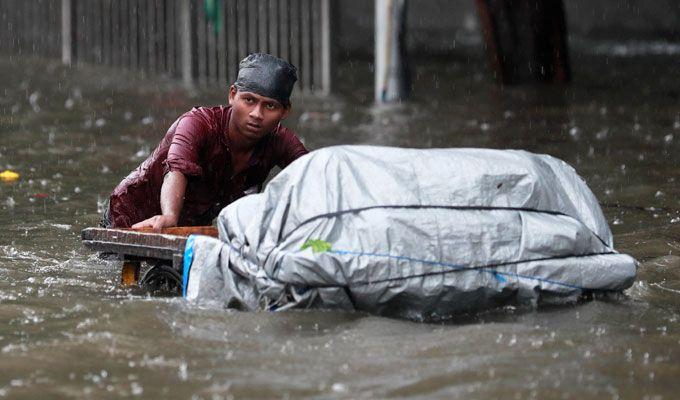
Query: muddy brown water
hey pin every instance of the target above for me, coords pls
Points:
(67, 330)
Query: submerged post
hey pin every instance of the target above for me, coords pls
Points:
(526, 40)
(67, 44)
(392, 79)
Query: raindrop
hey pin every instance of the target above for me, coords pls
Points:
(100, 122)
(77, 189)
(68, 104)
(141, 153)
(127, 116)
(148, 120)
(33, 100)
(617, 221)
(668, 138)
(183, 373)
(136, 389)
(602, 135)
(629, 355)
(339, 387)
(10, 202)
(659, 194)
(575, 133)
(485, 126)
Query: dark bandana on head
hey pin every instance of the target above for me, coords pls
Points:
(267, 76)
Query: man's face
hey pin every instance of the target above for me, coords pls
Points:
(253, 115)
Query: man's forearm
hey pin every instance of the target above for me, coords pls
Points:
(172, 194)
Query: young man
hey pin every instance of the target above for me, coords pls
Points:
(212, 156)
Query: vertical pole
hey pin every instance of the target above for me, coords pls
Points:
(306, 76)
(252, 26)
(106, 26)
(315, 49)
(294, 36)
(242, 22)
(326, 47)
(185, 34)
(222, 44)
(262, 25)
(134, 34)
(66, 32)
(169, 36)
(284, 23)
(391, 71)
(232, 41)
(201, 45)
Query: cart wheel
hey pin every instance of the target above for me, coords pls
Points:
(162, 280)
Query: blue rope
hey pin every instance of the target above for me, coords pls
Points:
(500, 275)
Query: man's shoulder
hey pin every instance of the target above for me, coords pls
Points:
(208, 114)
(284, 133)
(207, 119)
(209, 111)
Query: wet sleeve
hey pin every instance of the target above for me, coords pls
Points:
(119, 213)
(291, 148)
(185, 149)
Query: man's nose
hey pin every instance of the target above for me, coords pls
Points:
(256, 112)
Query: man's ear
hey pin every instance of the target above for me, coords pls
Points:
(286, 111)
(232, 94)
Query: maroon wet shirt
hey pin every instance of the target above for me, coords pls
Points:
(197, 146)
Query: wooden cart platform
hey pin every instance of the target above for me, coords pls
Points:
(163, 251)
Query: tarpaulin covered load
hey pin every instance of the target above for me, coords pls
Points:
(411, 233)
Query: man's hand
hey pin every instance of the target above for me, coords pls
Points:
(157, 222)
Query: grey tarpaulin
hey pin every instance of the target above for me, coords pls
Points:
(411, 233)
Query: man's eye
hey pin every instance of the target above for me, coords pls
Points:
(248, 100)
(271, 106)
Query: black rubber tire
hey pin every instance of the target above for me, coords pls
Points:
(162, 280)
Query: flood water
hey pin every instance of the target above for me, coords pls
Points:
(67, 330)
